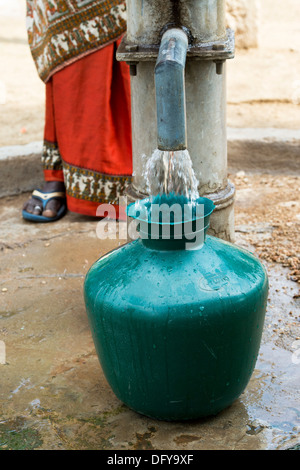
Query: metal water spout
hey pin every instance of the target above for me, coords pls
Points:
(149, 23)
(170, 91)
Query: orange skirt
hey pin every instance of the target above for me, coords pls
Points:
(87, 139)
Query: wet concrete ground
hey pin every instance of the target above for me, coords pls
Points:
(53, 393)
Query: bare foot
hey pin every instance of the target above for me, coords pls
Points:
(33, 206)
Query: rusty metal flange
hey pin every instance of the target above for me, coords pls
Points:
(218, 51)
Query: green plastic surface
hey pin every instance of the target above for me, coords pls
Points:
(177, 332)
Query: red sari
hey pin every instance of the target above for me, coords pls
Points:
(87, 140)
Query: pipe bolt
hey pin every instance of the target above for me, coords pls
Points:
(131, 47)
(133, 69)
(219, 66)
(218, 47)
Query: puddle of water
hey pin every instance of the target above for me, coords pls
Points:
(273, 395)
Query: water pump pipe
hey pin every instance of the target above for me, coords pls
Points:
(170, 90)
(210, 45)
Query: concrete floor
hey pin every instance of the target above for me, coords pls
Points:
(53, 393)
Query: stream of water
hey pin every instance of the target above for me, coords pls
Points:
(168, 172)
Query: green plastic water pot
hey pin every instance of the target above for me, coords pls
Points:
(177, 330)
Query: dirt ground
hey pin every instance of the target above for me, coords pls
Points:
(267, 221)
(278, 203)
(263, 83)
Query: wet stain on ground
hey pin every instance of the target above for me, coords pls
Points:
(297, 447)
(143, 441)
(186, 439)
(16, 435)
(81, 433)
(252, 430)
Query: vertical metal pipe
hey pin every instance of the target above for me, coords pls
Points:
(205, 99)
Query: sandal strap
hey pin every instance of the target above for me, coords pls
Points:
(48, 196)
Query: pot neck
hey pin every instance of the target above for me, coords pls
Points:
(193, 242)
(171, 222)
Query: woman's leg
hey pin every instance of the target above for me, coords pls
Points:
(87, 143)
(52, 164)
(93, 128)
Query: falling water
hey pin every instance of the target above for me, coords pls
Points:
(168, 172)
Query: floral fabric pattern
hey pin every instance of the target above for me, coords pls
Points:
(62, 31)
